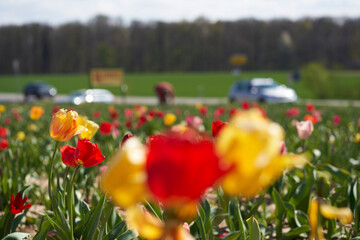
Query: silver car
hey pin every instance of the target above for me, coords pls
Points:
(261, 90)
(92, 96)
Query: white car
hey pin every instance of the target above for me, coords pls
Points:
(261, 90)
(92, 96)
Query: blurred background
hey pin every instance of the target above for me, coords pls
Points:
(313, 46)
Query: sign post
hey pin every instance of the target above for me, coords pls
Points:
(107, 77)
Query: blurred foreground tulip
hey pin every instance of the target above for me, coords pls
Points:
(91, 127)
(36, 112)
(180, 167)
(64, 125)
(125, 179)
(304, 129)
(125, 138)
(343, 214)
(150, 227)
(251, 145)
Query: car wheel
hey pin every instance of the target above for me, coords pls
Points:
(262, 100)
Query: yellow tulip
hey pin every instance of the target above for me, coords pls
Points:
(2, 108)
(343, 214)
(169, 119)
(198, 105)
(91, 127)
(20, 135)
(32, 127)
(250, 144)
(36, 112)
(64, 125)
(357, 138)
(125, 179)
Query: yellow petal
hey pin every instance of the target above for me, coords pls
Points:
(125, 179)
(36, 112)
(148, 226)
(250, 144)
(313, 218)
(343, 214)
(91, 128)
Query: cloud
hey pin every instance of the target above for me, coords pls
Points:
(57, 12)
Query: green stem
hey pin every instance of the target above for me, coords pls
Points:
(7, 227)
(71, 203)
(279, 227)
(51, 169)
(65, 183)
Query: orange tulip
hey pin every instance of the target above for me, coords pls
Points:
(36, 112)
(64, 125)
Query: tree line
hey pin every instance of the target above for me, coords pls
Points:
(200, 45)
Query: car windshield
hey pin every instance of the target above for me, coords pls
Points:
(77, 93)
(262, 87)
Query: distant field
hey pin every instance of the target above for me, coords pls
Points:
(343, 84)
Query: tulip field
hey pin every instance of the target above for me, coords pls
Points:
(240, 171)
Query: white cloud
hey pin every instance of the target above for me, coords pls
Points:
(57, 12)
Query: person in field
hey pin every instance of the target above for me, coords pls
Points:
(165, 92)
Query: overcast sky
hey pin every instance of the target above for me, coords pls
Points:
(56, 12)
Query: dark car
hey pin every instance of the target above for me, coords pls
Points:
(39, 90)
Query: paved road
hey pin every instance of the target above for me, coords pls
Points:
(13, 97)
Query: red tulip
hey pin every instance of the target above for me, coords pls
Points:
(336, 120)
(105, 128)
(87, 154)
(245, 105)
(128, 124)
(292, 112)
(55, 109)
(7, 121)
(203, 111)
(181, 168)
(217, 126)
(17, 204)
(96, 114)
(3, 132)
(142, 121)
(128, 112)
(113, 114)
(3, 144)
(218, 112)
(68, 155)
(310, 108)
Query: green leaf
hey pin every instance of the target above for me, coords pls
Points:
(128, 235)
(232, 236)
(279, 203)
(116, 231)
(253, 229)
(17, 236)
(297, 231)
(45, 227)
(92, 225)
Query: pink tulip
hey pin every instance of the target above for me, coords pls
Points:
(283, 149)
(304, 129)
(336, 120)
